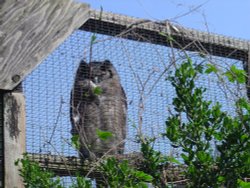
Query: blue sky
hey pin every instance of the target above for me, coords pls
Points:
(226, 17)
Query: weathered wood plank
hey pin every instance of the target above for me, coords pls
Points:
(30, 30)
(65, 166)
(1, 140)
(14, 136)
(69, 166)
(149, 31)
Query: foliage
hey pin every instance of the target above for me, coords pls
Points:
(97, 90)
(120, 174)
(235, 74)
(36, 177)
(75, 142)
(103, 135)
(205, 124)
(154, 162)
(244, 184)
(81, 182)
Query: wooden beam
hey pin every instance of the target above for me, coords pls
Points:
(69, 166)
(153, 32)
(30, 30)
(14, 136)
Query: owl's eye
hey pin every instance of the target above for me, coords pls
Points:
(103, 68)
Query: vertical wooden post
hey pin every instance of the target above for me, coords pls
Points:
(1, 141)
(14, 136)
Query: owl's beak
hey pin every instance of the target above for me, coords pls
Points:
(96, 80)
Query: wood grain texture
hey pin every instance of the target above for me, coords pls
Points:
(70, 166)
(30, 30)
(14, 137)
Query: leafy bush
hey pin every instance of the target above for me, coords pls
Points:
(36, 177)
(120, 174)
(205, 124)
(154, 162)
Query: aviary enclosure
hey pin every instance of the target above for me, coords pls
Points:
(144, 54)
(143, 57)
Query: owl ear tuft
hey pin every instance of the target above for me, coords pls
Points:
(83, 69)
(107, 61)
(83, 63)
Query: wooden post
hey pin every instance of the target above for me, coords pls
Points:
(14, 137)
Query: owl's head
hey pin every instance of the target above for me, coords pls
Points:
(101, 71)
(97, 71)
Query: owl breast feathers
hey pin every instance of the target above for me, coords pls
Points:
(98, 110)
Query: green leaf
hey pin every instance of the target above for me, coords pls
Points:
(203, 157)
(235, 74)
(243, 184)
(103, 135)
(229, 76)
(75, 141)
(211, 68)
(244, 137)
(143, 176)
(173, 160)
(97, 90)
(218, 136)
(184, 157)
(93, 39)
(170, 38)
(221, 179)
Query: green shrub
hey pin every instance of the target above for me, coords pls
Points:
(205, 124)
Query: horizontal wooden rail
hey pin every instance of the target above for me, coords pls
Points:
(153, 32)
(69, 166)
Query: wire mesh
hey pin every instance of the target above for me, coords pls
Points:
(143, 68)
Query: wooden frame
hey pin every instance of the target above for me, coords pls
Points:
(33, 34)
(36, 29)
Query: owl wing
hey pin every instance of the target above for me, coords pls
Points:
(77, 95)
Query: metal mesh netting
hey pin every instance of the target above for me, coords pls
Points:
(143, 68)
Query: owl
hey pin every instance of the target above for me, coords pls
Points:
(98, 110)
